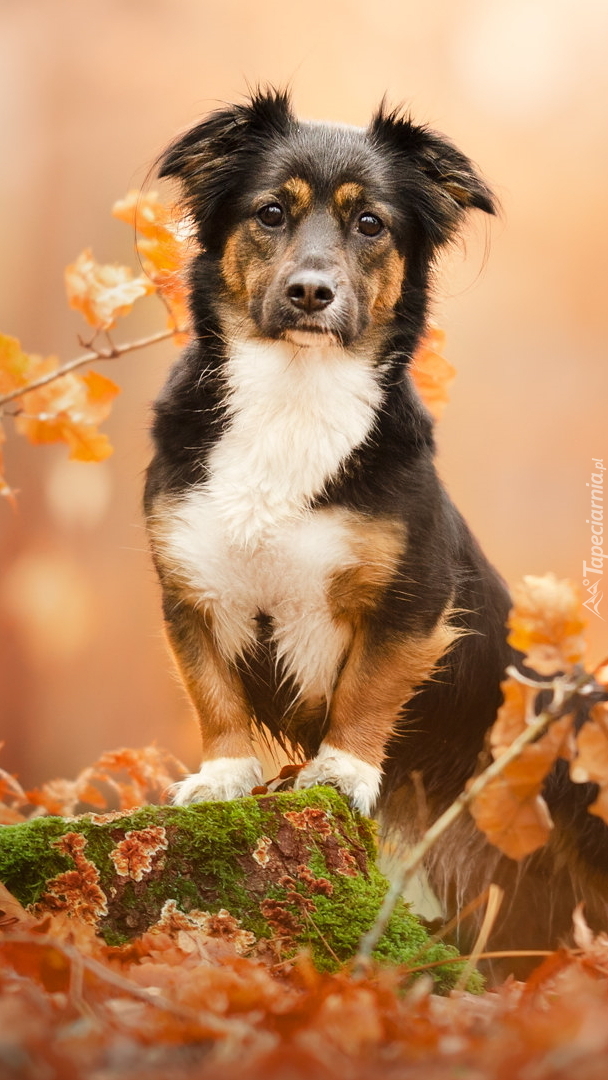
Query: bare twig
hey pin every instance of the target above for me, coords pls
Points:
(496, 954)
(111, 353)
(495, 898)
(564, 694)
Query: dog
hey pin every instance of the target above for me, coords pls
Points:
(316, 578)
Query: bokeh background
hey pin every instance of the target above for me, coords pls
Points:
(90, 92)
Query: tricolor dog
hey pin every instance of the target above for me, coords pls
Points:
(317, 580)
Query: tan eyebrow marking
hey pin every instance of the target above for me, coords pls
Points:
(300, 192)
(346, 195)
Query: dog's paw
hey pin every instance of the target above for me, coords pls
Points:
(219, 780)
(356, 779)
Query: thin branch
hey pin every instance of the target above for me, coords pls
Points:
(111, 353)
(495, 899)
(564, 695)
(496, 954)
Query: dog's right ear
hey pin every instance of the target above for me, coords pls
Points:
(211, 160)
(437, 181)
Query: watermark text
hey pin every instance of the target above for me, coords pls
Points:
(593, 570)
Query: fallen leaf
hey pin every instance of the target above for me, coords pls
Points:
(12, 913)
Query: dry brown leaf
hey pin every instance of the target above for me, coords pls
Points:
(546, 623)
(12, 913)
(510, 810)
(513, 715)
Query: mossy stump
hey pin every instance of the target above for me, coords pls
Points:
(275, 872)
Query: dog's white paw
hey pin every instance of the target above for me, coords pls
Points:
(356, 779)
(219, 780)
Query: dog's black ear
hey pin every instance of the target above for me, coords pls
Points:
(439, 182)
(211, 159)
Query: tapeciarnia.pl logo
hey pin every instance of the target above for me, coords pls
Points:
(593, 570)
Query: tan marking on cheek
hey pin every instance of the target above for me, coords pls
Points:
(300, 195)
(246, 267)
(346, 195)
(388, 282)
(233, 262)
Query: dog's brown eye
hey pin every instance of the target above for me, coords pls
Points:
(271, 215)
(369, 224)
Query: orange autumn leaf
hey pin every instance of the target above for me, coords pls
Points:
(512, 716)
(431, 372)
(103, 293)
(164, 244)
(16, 366)
(515, 713)
(68, 409)
(600, 673)
(510, 810)
(591, 763)
(546, 624)
(6, 490)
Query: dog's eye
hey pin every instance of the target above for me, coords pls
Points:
(272, 214)
(369, 224)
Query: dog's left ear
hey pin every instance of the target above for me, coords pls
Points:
(439, 182)
(212, 159)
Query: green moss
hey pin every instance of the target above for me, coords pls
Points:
(315, 867)
(27, 860)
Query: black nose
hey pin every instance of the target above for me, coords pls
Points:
(310, 290)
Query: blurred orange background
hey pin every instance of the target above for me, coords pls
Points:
(90, 92)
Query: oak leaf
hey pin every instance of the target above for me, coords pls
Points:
(546, 624)
(103, 292)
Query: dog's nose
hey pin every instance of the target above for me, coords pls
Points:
(310, 290)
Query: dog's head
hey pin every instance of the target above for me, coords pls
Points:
(316, 227)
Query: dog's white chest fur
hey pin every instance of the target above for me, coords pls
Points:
(295, 414)
(246, 538)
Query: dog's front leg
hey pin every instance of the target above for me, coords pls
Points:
(229, 768)
(376, 681)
